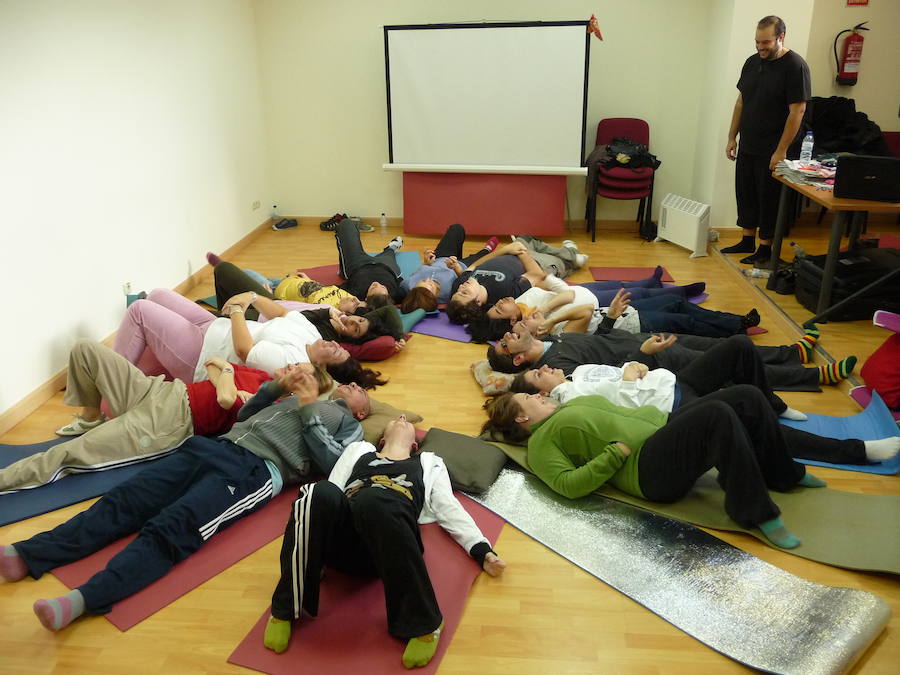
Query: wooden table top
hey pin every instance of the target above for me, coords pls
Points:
(829, 201)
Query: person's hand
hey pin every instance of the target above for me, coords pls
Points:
(429, 257)
(218, 362)
(656, 343)
(244, 395)
(493, 565)
(514, 248)
(300, 273)
(777, 156)
(634, 371)
(242, 300)
(349, 304)
(624, 448)
(731, 150)
(334, 312)
(305, 387)
(619, 304)
(453, 264)
(399, 345)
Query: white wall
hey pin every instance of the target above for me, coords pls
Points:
(877, 93)
(737, 20)
(132, 142)
(322, 68)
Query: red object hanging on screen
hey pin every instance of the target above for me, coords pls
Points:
(593, 27)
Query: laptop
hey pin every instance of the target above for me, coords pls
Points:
(867, 177)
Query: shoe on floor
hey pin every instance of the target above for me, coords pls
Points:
(581, 259)
(331, 224)
(285, 224)
(396, 243)
(79, 426)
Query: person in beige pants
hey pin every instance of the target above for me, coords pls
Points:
(151, 416)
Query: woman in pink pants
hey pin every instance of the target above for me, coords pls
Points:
(182, 335)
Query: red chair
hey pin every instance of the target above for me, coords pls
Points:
(621, 182)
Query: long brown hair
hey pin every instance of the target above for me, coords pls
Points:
(419, 298)
(501, 424)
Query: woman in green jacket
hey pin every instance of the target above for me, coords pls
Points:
(577, 447)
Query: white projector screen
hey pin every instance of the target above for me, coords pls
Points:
(487, 97)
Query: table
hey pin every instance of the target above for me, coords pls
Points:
(847, 212)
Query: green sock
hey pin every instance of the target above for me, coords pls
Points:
(778, 534)
(277, 635)
(837, 371)
(809, 480)
(812, 330)
(420, 650)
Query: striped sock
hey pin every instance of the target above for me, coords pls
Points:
(57, 613)
(812, 330)
(12, 567)
(837, 371)
(805, 346)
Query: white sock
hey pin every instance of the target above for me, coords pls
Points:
(886, 448)
(791, 414)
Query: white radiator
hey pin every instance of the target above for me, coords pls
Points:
(684, 222)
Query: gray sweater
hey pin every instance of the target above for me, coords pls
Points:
(295, 438)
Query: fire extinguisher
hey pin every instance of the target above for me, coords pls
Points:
(851, 55)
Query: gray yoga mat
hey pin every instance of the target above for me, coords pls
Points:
(733, 602)
(845, 529)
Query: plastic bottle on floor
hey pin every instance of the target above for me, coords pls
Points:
(757, 273)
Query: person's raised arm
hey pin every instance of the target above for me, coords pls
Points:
(557, 301)
(533, 272)
(578, 317)
(513, 248)
(791, 126)
(241, 340)
(731, 145)
(221, 374)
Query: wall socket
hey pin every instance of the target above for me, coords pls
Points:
(256, 205)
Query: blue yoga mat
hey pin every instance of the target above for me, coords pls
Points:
(872, 424)
(15, 506)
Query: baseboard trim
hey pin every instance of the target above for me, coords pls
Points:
(44, 392)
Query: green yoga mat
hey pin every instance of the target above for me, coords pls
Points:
(837, 528)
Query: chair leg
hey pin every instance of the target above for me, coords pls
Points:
(822, 213)
(640, 213)
(592, 222)
(648, 215)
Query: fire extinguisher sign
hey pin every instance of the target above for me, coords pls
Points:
(857, 3)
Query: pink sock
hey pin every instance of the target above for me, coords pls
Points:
(212, 258)
(57, 613)
(12, 567)
(491, 243)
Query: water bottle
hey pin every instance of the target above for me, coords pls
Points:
(806, 150)
(275, 217)
(383, 222)
(757, 273)
(798, 250)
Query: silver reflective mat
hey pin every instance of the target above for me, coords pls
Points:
(730, 600)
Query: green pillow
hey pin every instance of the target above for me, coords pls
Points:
(379, 415)
(473, 464)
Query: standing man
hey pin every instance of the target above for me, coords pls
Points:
(774, 87)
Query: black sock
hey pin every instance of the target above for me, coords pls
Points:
(747, 244)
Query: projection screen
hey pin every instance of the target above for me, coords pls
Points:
(487, 97)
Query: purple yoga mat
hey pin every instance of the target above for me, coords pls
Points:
(439, 326)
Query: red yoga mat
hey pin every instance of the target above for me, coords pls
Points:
(626, 274)
(221, 552)
(349, 636)
(326, 275)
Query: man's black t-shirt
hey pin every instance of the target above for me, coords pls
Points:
(501, 276)
(767, 89)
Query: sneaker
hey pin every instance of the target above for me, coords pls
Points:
(568, 243)
(285, 224)
(395, 243)
(360, 225)
(581, 259)
(491, 243)
(331, 224)
(79, 426)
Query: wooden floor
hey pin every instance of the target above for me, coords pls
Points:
(545, 615)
